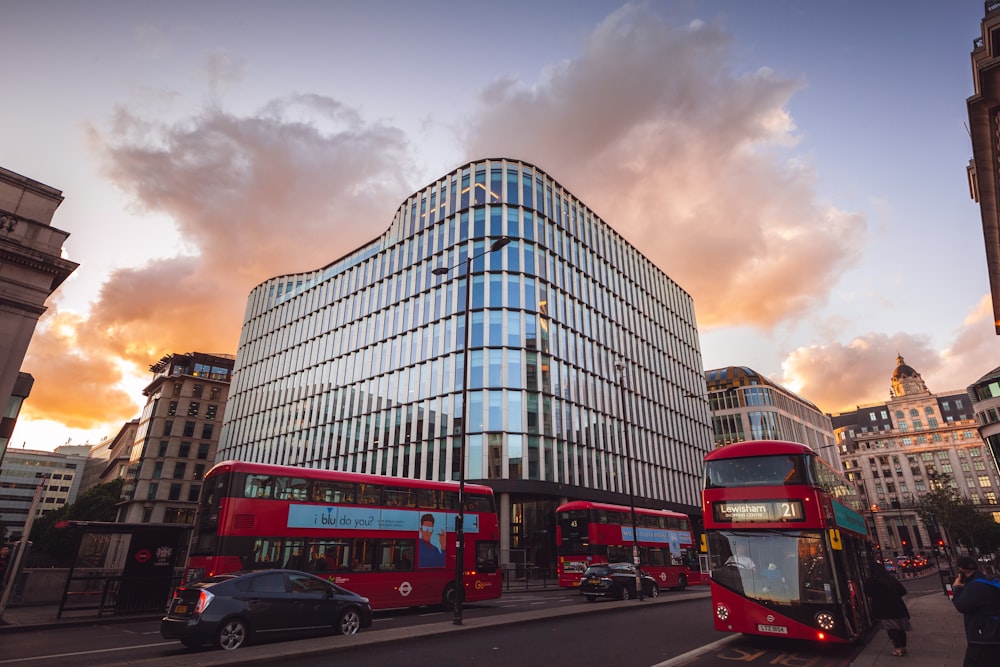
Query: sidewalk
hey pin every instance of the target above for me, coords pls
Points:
(937, 638)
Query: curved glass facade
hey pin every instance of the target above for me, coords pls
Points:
(359, 365)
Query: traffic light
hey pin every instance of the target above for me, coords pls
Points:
(940, 543)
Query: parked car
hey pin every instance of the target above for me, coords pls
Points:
(615, 580)
(230, 610)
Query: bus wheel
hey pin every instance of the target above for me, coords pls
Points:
(232, 634)
(682, 583)
(448, 597)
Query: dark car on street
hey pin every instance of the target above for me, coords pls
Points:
(230, 610)
(615, 580)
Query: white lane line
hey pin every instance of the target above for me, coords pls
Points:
(96, 651)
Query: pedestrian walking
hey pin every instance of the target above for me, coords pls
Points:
(886, 593)
(978, 598)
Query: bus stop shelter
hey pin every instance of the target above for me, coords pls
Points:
(123, 568)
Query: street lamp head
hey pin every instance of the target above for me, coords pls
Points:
(500, 242)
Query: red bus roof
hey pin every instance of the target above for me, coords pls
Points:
(337, 475)
(758, 448)
(588, 505)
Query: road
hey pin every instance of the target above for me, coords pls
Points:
(553, 628)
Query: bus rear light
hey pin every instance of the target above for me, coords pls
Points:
(722, 612)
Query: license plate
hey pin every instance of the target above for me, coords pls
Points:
(774, 629)
(180, 609)
(594, 580)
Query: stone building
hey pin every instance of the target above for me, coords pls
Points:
(895, 451)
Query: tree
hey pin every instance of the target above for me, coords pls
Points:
(55, 543)
(957, 517)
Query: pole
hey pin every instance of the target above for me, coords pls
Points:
(631, 481)
(460, 519)
(15, 566)
(460, 516)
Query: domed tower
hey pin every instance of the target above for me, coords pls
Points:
(906, 381)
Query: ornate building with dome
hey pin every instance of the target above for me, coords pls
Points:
(897, 451)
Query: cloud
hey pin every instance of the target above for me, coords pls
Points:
(286, 190)
(650, 126)
(838, 377)
(69, 386)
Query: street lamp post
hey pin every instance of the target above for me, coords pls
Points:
(460, 518)
(878, 542)
(631, 481)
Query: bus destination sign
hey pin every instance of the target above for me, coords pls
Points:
(758, 511)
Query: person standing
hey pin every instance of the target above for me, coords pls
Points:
(979, 601)
(887, 605)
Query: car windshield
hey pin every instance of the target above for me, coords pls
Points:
(597, 571)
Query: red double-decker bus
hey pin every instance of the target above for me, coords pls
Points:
(788, 546)
(594, 533)
(389, 539)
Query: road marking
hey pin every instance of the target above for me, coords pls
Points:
(66, 655)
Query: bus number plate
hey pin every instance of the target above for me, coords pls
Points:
(773, 629)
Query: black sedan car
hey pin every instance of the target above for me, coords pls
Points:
(231, 609)
(615, 580)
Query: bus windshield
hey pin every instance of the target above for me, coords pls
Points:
(785, 567)
(779, 470)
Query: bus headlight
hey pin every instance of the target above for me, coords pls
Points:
(825, 620)
(722, 612)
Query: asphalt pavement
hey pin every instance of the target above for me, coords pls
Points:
(937, 639)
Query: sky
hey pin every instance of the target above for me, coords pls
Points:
(799, 167)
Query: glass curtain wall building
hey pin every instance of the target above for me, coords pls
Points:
(358, 366)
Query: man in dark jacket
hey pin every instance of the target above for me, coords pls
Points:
(979, 600)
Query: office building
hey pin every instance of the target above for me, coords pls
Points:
(358, 365)
(985, 395)
(21, 473)
(898, 450)
(31, 268)
(175, 439)
(748, 406)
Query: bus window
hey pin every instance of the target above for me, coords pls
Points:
(369, 494)
(333, 492)
(396, 554)
(258, 486)
(486, 556)
(428, 498)
(291, 488)
(363, 557)
(266, 553)
(394, 497)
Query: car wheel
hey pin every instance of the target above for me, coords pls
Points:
(682, 582)
(591, 598)
(654, 591)
(232, 634)
(624, 594)
(448, 597)
(349, 622)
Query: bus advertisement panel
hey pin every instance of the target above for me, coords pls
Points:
(389, 539)
(788, 547)
(591, 533)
